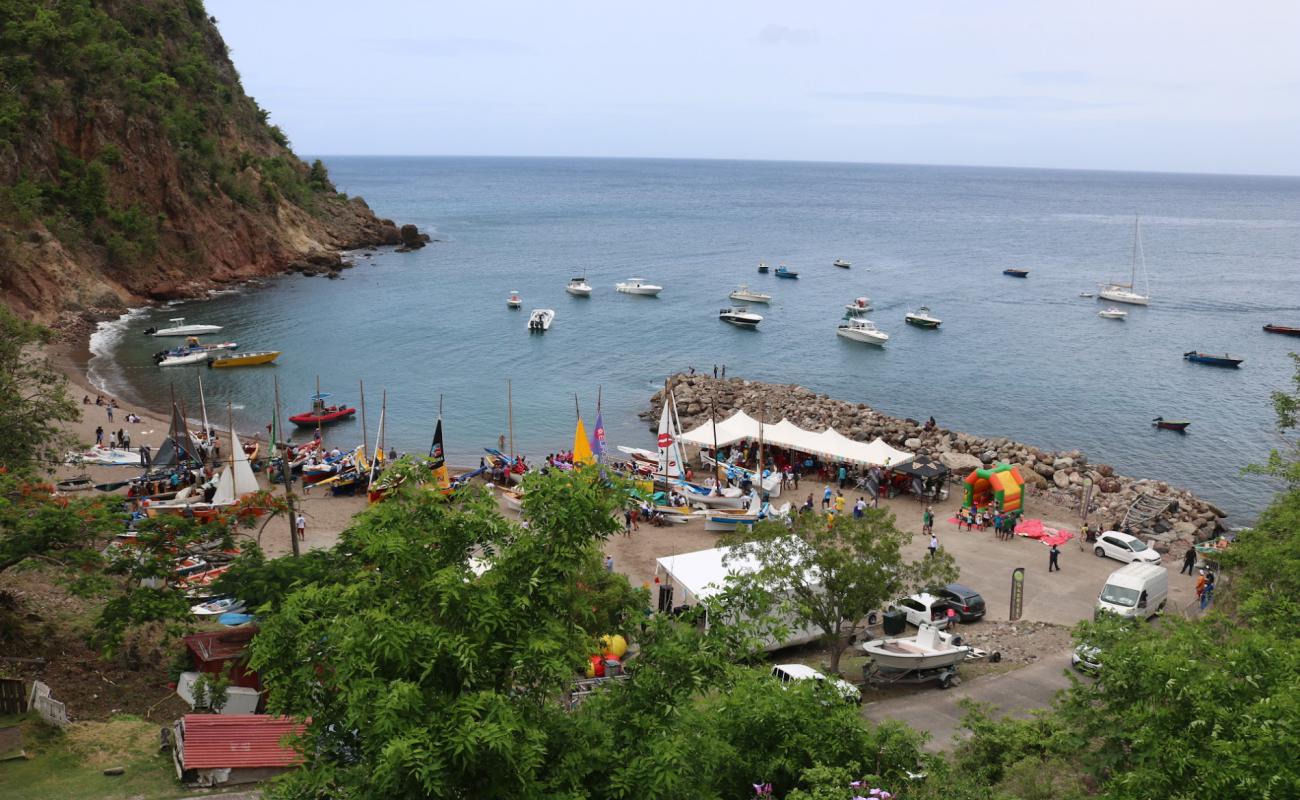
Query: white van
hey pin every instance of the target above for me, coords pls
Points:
(1137, 590)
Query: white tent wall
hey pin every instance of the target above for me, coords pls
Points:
(829, 444)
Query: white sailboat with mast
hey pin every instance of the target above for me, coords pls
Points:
(1127, 292)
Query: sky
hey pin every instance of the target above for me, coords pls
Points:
(1146, 85)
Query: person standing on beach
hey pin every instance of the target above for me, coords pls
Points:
(609, 564)
(839, 503)
(1189, 561)
(1053, 565)
(934, 544)
(826, 498)
(843, 475)
(110, 412)
(724, 371)
(99, 439)
(715, 372)
(927, 521)
(300, 524)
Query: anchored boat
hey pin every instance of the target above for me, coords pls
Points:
(762, 267)
(1179, 425)
(1016, 273)
(245, 359)
(842, 264)
(578, 287)
(1224, 360)
(540, 320)
(784, 272)
(858, 307)
(1127, 292)
(1282, 329)
(862, 330)
(514, 300)
(744, 294)
(740, 317)
(638, 286)
(922, 318)
(321, 414)
(182, 330)
(1112, 313)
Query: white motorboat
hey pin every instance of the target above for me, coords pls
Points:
(862, 330)
(1127, 292)
(1087, 294)
(740, 316)
(1112, 313)
(930, 648)
(842, 264)
(182, 330)
(858, 307)
(638, 286)
(188, 358)
(540, 319)
(578, 287)
(922, 318)
(215, 608)
(744, 294)
(514, 300)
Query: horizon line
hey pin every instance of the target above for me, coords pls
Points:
(809, 161)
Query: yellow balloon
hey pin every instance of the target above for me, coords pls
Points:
(615, 645)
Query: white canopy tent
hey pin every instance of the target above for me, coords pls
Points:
(829, 444)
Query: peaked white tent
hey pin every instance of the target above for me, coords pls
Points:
(829, 444)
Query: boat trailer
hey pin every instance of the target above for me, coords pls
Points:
(876, 676)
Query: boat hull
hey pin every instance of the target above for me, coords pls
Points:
(244, 360)
(310, 420)
(1016, 273)
(929, 324)
(728, 521)
(744, 297)
(1213, 361)
(1130, 298)
(858, 336)
(187, 330)
(1181, 427)
(179, 361)
(1282, 329)
(886, 659)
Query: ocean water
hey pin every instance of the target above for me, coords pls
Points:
(1028, 359)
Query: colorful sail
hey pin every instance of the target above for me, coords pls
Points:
(669, 460)
(598, 438)
(581, 449)
(438, 461)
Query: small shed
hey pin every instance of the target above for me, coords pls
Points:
(220, 750)
(213, 650)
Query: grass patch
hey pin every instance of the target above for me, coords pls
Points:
(70, 764)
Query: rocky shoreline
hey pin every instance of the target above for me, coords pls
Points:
(1058, 474)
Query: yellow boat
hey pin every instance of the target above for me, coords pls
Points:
(245, 359)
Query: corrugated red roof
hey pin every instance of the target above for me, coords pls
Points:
(216, 741)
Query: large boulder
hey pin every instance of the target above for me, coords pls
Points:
(912, 443)
(411, 237)
(1108, 485)
(960, 463)
(1033, 478)
(1063, 463)
(1062, 479)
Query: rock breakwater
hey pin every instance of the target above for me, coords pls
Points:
(1058, 475)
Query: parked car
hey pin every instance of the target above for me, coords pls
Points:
(923, 607)
(1086, 658)
(1124, 547)
(967, 602)
(787, 673)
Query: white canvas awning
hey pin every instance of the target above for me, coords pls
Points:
(829, 444)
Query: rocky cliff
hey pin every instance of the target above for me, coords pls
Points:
(1060, 475)
(134, 167)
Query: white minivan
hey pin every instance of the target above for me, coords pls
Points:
(1137, 590)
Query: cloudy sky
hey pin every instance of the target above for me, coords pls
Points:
(1163, 85)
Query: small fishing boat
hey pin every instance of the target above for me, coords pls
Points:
(188, 358)
(245, 359)
(922, 318)
(1112, 313)
(762, 267)
(1179, 425)
(858, 307)
(740, 317)
(1282, 329)
(726, 519)
(321, 414)
(1224, 360)
(1016, 273)
(182, 330)
(78, 484)
(578, 287)
(785, 272)
(862, 330)
(744, 294)
(930, 648)
(514, 300)
(842, 264)
(1088, 294)
(540, 319)
(193, 346)
(638, 286)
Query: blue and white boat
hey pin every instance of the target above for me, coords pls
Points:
(1224, 360)
(785, 272)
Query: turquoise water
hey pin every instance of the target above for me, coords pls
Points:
(1027, 359)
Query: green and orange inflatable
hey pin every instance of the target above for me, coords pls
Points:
(1000, 486)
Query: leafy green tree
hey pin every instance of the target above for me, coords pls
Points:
(1284, 462)
(34, 398)
(832, 574)
(67, 531)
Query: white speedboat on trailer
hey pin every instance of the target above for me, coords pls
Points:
(739, 316)
(930, 648)
(1127, 292)
(514, 300)
(578, 287)
(1112, 313)
(862, 330)
(638, 286)
(540, 319)
(744, 294)
(858, 307)
(182, 330)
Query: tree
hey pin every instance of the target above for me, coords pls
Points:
(33, 398)
(831, 573)
(1284, 462)
(36, 524)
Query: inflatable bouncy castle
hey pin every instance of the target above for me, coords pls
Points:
(1000, 486)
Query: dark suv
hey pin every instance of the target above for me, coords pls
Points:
(965, 601)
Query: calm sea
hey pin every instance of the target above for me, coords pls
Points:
(1028, 359)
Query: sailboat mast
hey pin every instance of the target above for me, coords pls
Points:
(203, 403)
(758, 471)
(1132, 275)
(285, 470)
(365, 443)
(318, 405)
(510, 418)
(383, 407)
(663, 469)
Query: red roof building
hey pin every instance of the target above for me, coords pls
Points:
(219, 749)
(213, 650)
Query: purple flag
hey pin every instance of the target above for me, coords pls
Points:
(598, 437)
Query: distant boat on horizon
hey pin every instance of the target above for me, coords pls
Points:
(1016, 273)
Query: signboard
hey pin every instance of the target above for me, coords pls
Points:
(1017, 593)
